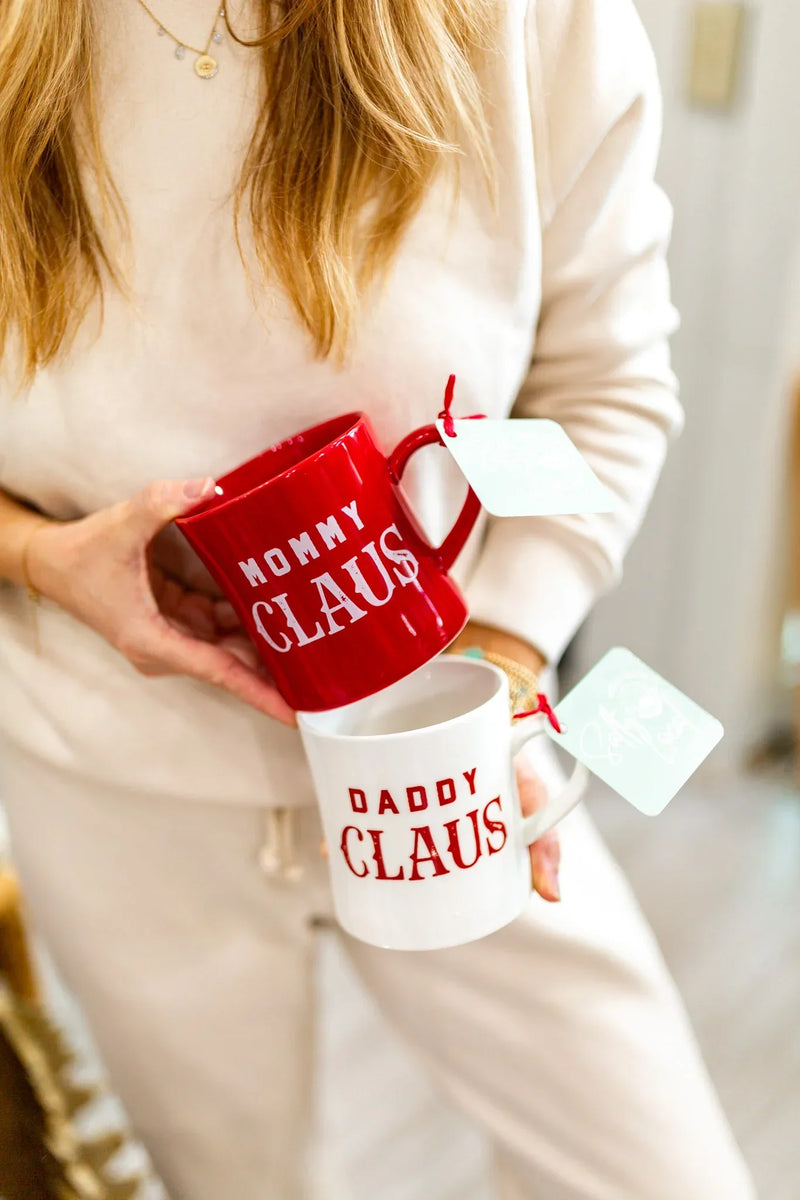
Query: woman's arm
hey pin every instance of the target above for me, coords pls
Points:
(100, 569)
(495, 641)
(601, 362)
(545, 854)
(601, 365)
(17, 526)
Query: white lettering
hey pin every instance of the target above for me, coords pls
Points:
(330, 531)
(362, 587)
(303, 548)
(263, 631)
(401, 555)
(351, 511)
(326, 582)
(291, 620)
(253, 572)
(277, 561)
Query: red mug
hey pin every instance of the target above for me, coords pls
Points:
(315, 545)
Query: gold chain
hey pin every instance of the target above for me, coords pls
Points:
(205, 66)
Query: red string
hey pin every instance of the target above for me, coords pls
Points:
(446, 416)
(542, 706)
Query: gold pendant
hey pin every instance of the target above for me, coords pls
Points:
(205, 66)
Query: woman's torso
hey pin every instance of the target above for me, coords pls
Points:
(198, 379)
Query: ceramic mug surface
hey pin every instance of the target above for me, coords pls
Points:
(316, 547)
(427, 846)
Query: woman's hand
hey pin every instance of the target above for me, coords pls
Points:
(100, 569)
(545, 854)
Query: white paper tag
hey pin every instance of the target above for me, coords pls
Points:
(635, 731)
(525, 468)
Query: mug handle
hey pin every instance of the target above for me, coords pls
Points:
(453, 544)
(572, 792)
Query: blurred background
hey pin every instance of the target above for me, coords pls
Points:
(706, 583)
(707, 600)
(710, 585)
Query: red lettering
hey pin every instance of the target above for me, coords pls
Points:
(387, 803)
(343, 846)
(454, 846)
(358, 799)
(423, 798)
(494, 826)
(470, 778)
(423, 834)
(446, 790)
(375, 834)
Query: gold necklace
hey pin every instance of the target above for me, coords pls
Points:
(204, 65)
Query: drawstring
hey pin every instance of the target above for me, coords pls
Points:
(446, 415)
(277, 854)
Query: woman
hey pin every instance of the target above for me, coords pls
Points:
(209, 240)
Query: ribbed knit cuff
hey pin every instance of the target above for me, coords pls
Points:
(532, 585)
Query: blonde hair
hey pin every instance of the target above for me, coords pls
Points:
(364, 100)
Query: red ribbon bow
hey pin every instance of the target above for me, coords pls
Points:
(446, 416)
(543, 706)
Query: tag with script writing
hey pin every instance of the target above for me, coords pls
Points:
(635, 731)
(525, 468)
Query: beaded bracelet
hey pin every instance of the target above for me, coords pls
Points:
(34, 595)
(525, 699)
(523, 683)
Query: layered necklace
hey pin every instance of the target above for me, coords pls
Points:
(205, 65)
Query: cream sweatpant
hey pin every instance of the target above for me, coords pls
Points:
(562, 1035)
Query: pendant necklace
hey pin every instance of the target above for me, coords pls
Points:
(204, 64)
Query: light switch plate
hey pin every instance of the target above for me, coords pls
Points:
(717, 41)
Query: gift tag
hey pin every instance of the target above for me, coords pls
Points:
(635, 731)
(525, 468)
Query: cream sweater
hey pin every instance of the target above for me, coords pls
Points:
(558, 308)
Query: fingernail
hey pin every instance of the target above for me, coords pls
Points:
(193, 489)
(547, 884)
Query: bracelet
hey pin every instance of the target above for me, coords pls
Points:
(34, 595)
(523, 683)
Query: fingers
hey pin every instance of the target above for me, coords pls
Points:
(240, 646)
(196, 612)
(532, 792)
(545, 858)
(225, 615)
(159, 503)
(162, 649)
(545, 854)
(219, 666)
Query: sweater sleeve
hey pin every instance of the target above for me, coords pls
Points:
(601, 365)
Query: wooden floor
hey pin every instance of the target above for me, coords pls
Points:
(719, 877)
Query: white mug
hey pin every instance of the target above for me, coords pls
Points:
(426, 842)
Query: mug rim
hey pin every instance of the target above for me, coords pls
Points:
(305, 719)
(348, 422)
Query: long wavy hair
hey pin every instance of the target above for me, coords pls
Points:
(364, 100)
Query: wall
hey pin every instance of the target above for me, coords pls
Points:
(703, 589)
